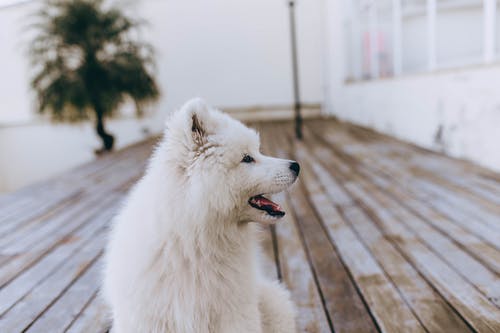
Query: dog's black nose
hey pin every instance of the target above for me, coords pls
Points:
(295, 167)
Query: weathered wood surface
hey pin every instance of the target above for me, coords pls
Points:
(379, 236)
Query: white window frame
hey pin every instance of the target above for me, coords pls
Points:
(374, 51)
(397, 41)
(431, 34)
(489, 30)
(489, 52)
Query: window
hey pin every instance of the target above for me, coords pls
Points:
(390, 37)
(413, 37)
(368, 35)
(459, 31)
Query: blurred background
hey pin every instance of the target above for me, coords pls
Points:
(425, 71)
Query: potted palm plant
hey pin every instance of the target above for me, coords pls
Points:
(87, 63)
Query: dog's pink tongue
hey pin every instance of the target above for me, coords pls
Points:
(261, 201)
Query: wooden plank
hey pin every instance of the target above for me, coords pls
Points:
(13, 243)
(487, 225)
(433, 312)
(461, 175)
(297, 274)
(411, 160)
(465, 181)
(472, 305)
(18, 263)
(64, 251)
(469, 242)
(94, 318)
(488, 220)
(62, 313)
(483, 278)
(30, 192)
(408, 183)
(66, 187)
(76, 179)
(36, 211)
(27, 310)
(9, 208)
(25, 235)
(479, 312)
(478, 248)
(32, 294)
(346, 308)
(123, 175)
(293, 265)
(376, 288)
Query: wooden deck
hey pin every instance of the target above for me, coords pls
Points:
(380, 236)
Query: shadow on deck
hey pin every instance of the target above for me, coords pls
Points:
(380, 236)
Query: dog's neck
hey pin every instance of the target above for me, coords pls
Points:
(208, 249)
(221, 233)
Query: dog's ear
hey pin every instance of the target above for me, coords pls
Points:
(197, 114)
(197, 130)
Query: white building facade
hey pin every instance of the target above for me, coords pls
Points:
(426, 71)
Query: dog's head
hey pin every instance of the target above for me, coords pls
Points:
(219, 163)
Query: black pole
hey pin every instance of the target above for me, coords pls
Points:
(296, 91)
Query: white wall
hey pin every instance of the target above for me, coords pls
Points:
(38, 150)
(464, 101)
(233, 53)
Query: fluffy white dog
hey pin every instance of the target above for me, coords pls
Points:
(182, 255)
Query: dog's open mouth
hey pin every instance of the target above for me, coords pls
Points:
(262, 203)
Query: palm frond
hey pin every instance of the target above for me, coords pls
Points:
(85, 57)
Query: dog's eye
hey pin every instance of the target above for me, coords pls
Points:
(247, 159)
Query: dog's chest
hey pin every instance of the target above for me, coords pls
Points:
(207, 287)
(209, 294)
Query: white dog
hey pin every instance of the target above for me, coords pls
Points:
(182, 255)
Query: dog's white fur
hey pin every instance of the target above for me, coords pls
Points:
(182, 256)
